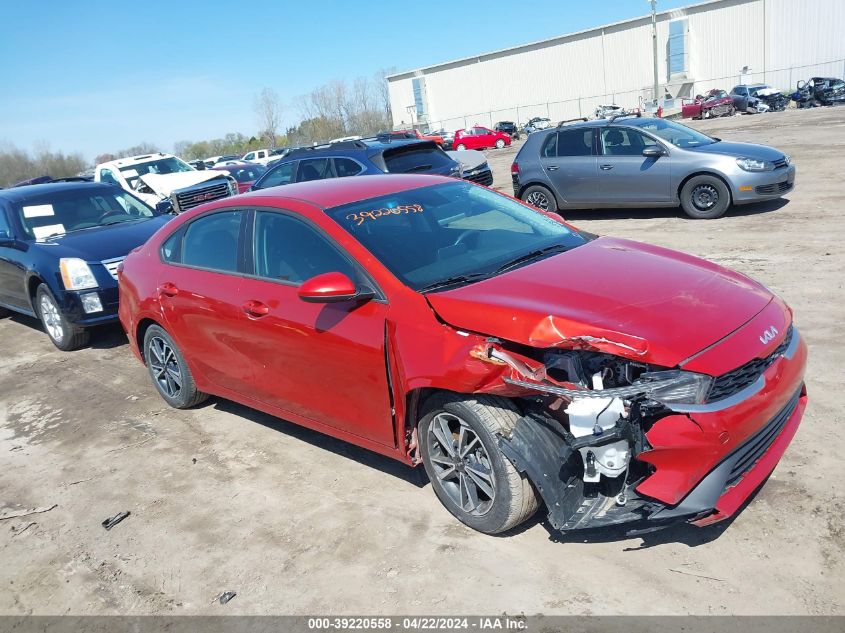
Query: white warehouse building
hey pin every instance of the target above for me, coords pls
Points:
(715, 44)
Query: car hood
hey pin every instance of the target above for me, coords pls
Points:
(165, 184)
(105, 242)
(612, 295)
(740, 150)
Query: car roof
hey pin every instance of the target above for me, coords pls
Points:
(18, 194)
(334, 192)
(134, 160)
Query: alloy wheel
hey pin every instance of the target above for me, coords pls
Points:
(164, 367)
(51, 318)
(705, 197)
(538, 199)
(461, 464)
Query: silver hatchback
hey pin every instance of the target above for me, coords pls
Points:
(645, 162)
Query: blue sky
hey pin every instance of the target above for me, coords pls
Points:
(95, 77)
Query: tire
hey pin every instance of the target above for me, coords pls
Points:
(705, 114)
(169, 371)
(540, 197)
(501, 497)
(461, 146)
(705, 197)
(64, 334)
(500, 143)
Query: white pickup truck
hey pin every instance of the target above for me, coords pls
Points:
(159, 179)
(262, 156)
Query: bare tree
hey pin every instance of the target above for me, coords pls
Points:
(269, 111)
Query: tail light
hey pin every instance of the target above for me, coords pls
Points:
(514, 169)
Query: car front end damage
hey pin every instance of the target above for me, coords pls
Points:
(607, 438)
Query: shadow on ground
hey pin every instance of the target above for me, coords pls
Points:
(657, 213)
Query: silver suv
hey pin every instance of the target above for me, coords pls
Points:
(645, 162)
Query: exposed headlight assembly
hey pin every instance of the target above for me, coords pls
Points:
(678, 387)
(76, 274)
(754, 164)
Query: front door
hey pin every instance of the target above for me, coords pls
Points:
(624, 174)
(202, 300)
(570, 165)
(325, 362)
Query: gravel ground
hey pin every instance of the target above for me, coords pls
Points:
(225, 498)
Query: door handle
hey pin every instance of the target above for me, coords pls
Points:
(255, 309)
(552, 167)
(606, 167)
(168, 289)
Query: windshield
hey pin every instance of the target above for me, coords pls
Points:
(170, 165)
(675, 133)
(429, 235)
(61, 212)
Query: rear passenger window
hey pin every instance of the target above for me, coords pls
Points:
(550, 146)
(171, 250)
(280, 175)
(575, 142)
(212, 242)
(289, 250)
(346, 167)
(313, 169)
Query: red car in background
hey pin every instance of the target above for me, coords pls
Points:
(244, 173)
(480, 138)
(714, 103)
(658, 388)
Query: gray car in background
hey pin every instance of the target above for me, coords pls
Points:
(645, 162)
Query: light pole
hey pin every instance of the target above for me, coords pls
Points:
(654, 45)
(410, 110)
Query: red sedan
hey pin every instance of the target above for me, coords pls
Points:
(244, 173)
(480, 138)
(518, 359)
(714, 103)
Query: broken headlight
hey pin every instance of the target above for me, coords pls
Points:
(679, 387)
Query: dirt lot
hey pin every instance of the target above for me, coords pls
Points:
(224, 498)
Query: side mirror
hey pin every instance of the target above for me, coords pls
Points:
(332, 288)
(654, 152)
(6, 238)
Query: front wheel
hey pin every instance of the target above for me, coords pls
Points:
(540, 197)
(169, 371)
(461, 146)
(500, 143)
(64, 334)
(469, 474)
(705, 198)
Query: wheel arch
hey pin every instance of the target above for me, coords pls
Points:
(33, 281)
(141, 331)
(539, 183)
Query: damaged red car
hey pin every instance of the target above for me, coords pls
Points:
(523, 362)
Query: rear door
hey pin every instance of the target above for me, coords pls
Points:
(569, 163)
(12, 285)
(624, 174)
(322, 361)
(201, 294)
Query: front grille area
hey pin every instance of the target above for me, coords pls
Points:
(738, 379)
(753, 449)
(781, 187)
(112, 264)
(189, 199)
(484, 177)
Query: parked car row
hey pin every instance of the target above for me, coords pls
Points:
(521, 361)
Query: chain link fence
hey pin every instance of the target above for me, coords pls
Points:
(783, 79)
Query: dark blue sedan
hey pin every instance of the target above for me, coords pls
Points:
(60, 246)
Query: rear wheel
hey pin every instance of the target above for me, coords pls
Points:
(169, 371)
(64, 334)
(540, 197)
(461, 146)
(500, 143)
(469, 474)
(705, 197)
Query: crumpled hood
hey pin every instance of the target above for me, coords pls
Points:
(618, 296)
(767, 92)
(740, 150)
(468, 158)
(164, 184)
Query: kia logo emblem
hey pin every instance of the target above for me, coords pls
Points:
(768, 335)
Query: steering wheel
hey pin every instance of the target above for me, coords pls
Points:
(463, 235)
(107, 214)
